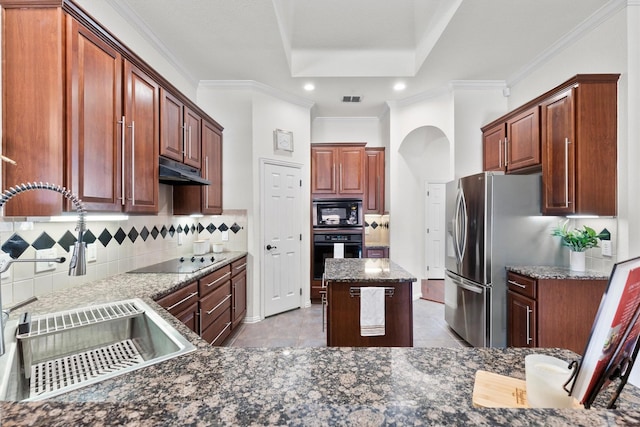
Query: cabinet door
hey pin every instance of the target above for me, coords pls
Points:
(141, 140)
(493, 146)
(239, 297)
(374, 181)
(558, 159)
(522, 327)
(172, 132)
(212, 155)
(351, 170)
(193, 147)
(33, 109)
(190, 317)
(523, 148)
(95, 100)
(323, 170)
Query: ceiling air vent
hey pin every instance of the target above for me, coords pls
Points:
(351, 98)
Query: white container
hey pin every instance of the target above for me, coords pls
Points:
(545, 378)
(217, 248)
(200, 247)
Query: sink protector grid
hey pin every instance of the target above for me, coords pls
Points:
(76, 369)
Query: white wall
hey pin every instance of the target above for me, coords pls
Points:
(349, 129)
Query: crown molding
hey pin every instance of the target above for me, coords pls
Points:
(597, 18)
(259, 87)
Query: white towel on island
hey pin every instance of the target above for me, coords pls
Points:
(372, 311)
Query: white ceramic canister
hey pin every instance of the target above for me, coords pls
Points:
(200, 247)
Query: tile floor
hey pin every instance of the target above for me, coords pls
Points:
(303, 328)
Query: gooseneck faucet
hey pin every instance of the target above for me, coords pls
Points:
(77, 264)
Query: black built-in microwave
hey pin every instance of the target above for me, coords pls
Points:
(337, 213)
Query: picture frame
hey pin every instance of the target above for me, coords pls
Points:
(283, 140)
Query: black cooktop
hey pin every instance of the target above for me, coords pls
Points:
(182, 265)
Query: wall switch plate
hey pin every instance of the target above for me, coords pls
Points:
(4, 258)
(179, 239)
(225, 236)
(44, 254)
(605, 246)
(92, 252)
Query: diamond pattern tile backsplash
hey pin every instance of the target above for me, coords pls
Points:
(120, 246)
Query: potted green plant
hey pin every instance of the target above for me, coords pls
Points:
(578, 241)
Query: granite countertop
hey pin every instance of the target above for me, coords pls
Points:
(365, 270)
(293, 386)
(552, 272)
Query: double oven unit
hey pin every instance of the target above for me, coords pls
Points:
(338, 228)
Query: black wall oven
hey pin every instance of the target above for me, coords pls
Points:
(324, 246)
(337, 213)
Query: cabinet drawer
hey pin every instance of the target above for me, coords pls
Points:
(522, 285)
(178, 301)
(212, 280)
(376, 253)
(239, 266)
(215, 304)
(219, 330)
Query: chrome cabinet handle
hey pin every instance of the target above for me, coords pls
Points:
(200, 323)
(517, 284)
(218, 279)
(219, 304)
(189, 141)
(566, 172)
(225, 328)
(506, 152)
(188, 297)
(240, 267)
(184, 140)
(206, 175)
(133, 162)
(122, 162)
(500, 154)
(529, 339)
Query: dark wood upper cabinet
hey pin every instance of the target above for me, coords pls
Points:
(374, 181)
(493, 146)
(180, 137)
(579, 142)
(338, 170)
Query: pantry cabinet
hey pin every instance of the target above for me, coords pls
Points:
(579, 141)
(338, 170)
(374, 181)
(551, 312)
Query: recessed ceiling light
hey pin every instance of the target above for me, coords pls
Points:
(399, 86)
(309, 87)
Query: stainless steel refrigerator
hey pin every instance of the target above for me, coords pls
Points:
(493, 220)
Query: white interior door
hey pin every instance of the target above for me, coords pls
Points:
(435, 239)
(282, 231)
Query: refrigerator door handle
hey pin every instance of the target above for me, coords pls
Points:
(465, 284)
(463, 208)
(456, 228)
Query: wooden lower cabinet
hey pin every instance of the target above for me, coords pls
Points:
(376, 252)
(551, 312)
(343, 316)
(214, 305)
(183, 304)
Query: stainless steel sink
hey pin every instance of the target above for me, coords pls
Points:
(67, 350)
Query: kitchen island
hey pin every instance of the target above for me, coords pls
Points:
(344, 279)
(292, 386)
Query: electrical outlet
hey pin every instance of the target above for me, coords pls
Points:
(225, 236)
(605, 246)
(44, 254)
(179, 239)
(4, 258)
(92, 252)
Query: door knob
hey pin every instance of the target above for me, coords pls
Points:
(269, 247)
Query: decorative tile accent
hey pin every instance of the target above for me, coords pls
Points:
(172, 231)
(120, 235)
(155, 232)
(144, 233)
(88, 237)
(133, 234)
(235, 228)
(186, 229)
(105, 237)
(179, 230)
(200, 228)
(164, 231)
(44, 241)
(366, 224)
(193, 228)
(374, 225)
(15, 246)
(223, 227)
(67, 240)
(211, 228)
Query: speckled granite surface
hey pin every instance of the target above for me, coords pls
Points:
(550, 272)
(365, 270)
(294, 386)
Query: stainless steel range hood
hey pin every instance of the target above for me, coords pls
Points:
(174, 173)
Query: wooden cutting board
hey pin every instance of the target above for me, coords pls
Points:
(498, 391)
